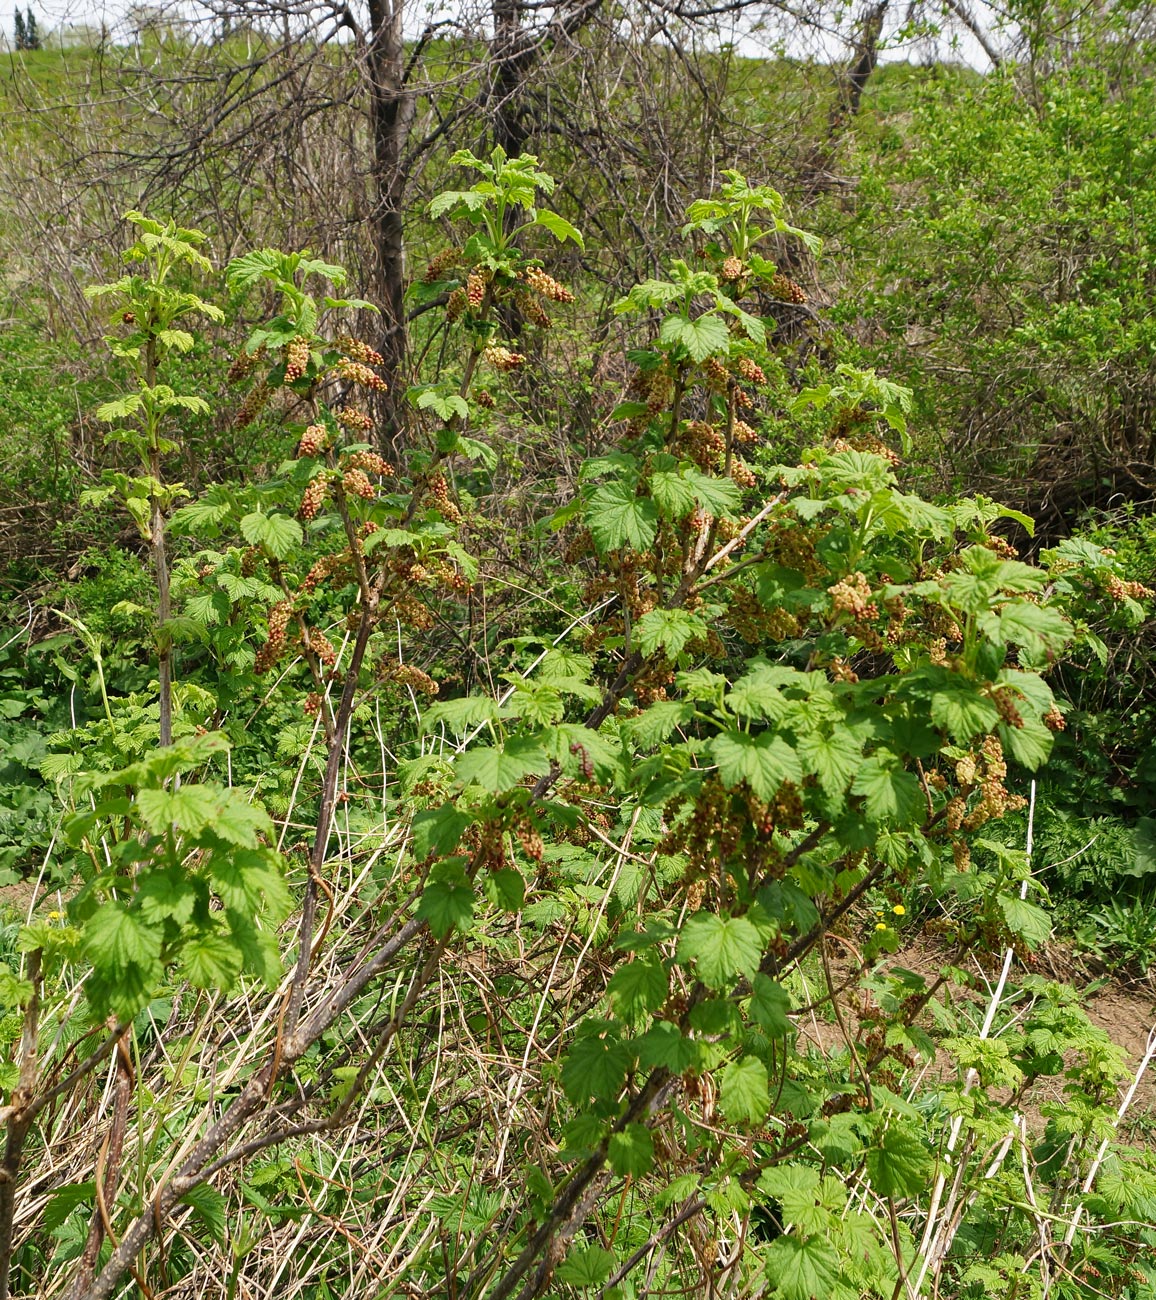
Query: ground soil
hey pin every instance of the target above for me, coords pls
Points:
(1123, 1007)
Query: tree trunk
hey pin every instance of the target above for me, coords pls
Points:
(391, 113)
(857, 76)
(508, 71)
(860, 72)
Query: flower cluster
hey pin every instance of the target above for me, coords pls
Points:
(546, 285)
(475, 291)
(296, 359)
(314, 497)
(409, 675)
(743, 433)
(322, 647)
(702, 443)
(712, 831)
(852, 596)
(370, 462)
(357, 373)
(1054, 719)
(439, 494)
(530, 841)
(255, 401)
(359, 350)
(756, 623)
(1118, 589)
(356, 483)
(439, 265)
(717, 375)
(794, 548)
(742, 474)
(270, 652)
(1004, 699)
(655, 388)
(410, 612)
(650, 683)
(502, 358)
(841, 670)
(866, 442)
(533, 310)
(349, 417)
(785, 289)
(244, 363)
(988, 771)
(733, 269)
(313, 441)
(322, 569)
(585, 763)
(751, 371)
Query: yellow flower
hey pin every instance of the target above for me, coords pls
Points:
(899, 909)
(882, 925)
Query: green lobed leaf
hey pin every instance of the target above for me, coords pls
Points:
(278, 534)
(664, 1045)
(167, 895)
(505, 888)
(1025, 920)
(586, 1266)
(210, 1207)
(631, 1152)
(806, 1200)
(559, 227)
(891, 794)
(669, 630)
(596, 1064)
(1030, 743)
(250, 882)
(802, 1268)
(702, 337)
(63, 1200)
(639, 987)
(764, 762)
(461, 715)
(617, 517)
(1037, 628)
(116, 938)
(758, 693)
(717, 496)
(963, 712)
(744, 1092)
(770, 1003)
(570, 744)
(438, 830)
(447, 902)
(672, 493)
(212, 961)
(653, 726)
(900, 1165)
(722, 947)
(258, 948)
(833, 758)
(501, 767)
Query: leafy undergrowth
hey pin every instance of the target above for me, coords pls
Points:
(351, 980)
